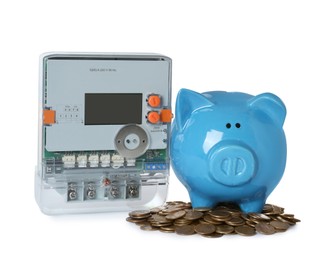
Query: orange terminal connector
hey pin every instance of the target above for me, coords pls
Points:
(166, 115)
(49, 117)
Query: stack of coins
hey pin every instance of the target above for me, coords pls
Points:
(179, 217)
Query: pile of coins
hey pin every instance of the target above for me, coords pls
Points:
(179, 217)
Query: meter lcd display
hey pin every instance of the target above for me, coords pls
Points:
(113, 109)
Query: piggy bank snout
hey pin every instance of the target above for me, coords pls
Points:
(232, 164)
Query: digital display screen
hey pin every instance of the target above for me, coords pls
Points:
(113, 109)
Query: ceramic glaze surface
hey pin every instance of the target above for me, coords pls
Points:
(228, 146)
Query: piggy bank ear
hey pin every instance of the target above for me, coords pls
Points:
(271, 105)
(188, 102)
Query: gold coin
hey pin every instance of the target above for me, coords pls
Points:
(158, 224)
(275, 210)
(265, 228)
(234, 212)
(175, 215)
(176, 203)
(148, 228)
(290, 217)
(285, 220)
(257, 216)
(177, 224)
(156, 210)
(245, 230)
(224, 229)
(213, 235)
(182, 222)
(134, 220)
(193, 215)
(159, 219)
(278, 225)
(170, 228)
(267, 208)
(185, 230)
(235, 221)
(170, 210)
(138, 214)
(246, 217)
(203, 209)
(143, 223)
(210, 220)
(186, 206)
(251, 223)
(166, 231)
(205, 229)
(221, 215)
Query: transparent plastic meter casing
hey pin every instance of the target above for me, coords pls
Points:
(104, 129)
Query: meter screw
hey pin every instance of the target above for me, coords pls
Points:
(133, 190)
(72, 192)
(91, 192)
(114, 191)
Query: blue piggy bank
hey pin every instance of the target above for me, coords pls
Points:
(228, 147)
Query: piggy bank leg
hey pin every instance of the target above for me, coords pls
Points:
(252, 205)
(200, 201)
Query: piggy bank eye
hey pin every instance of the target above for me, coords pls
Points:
(238, 125)
(228, 125)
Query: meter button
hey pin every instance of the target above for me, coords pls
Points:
(153, 117)
(154, 101)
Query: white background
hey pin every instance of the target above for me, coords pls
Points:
(284, 47)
